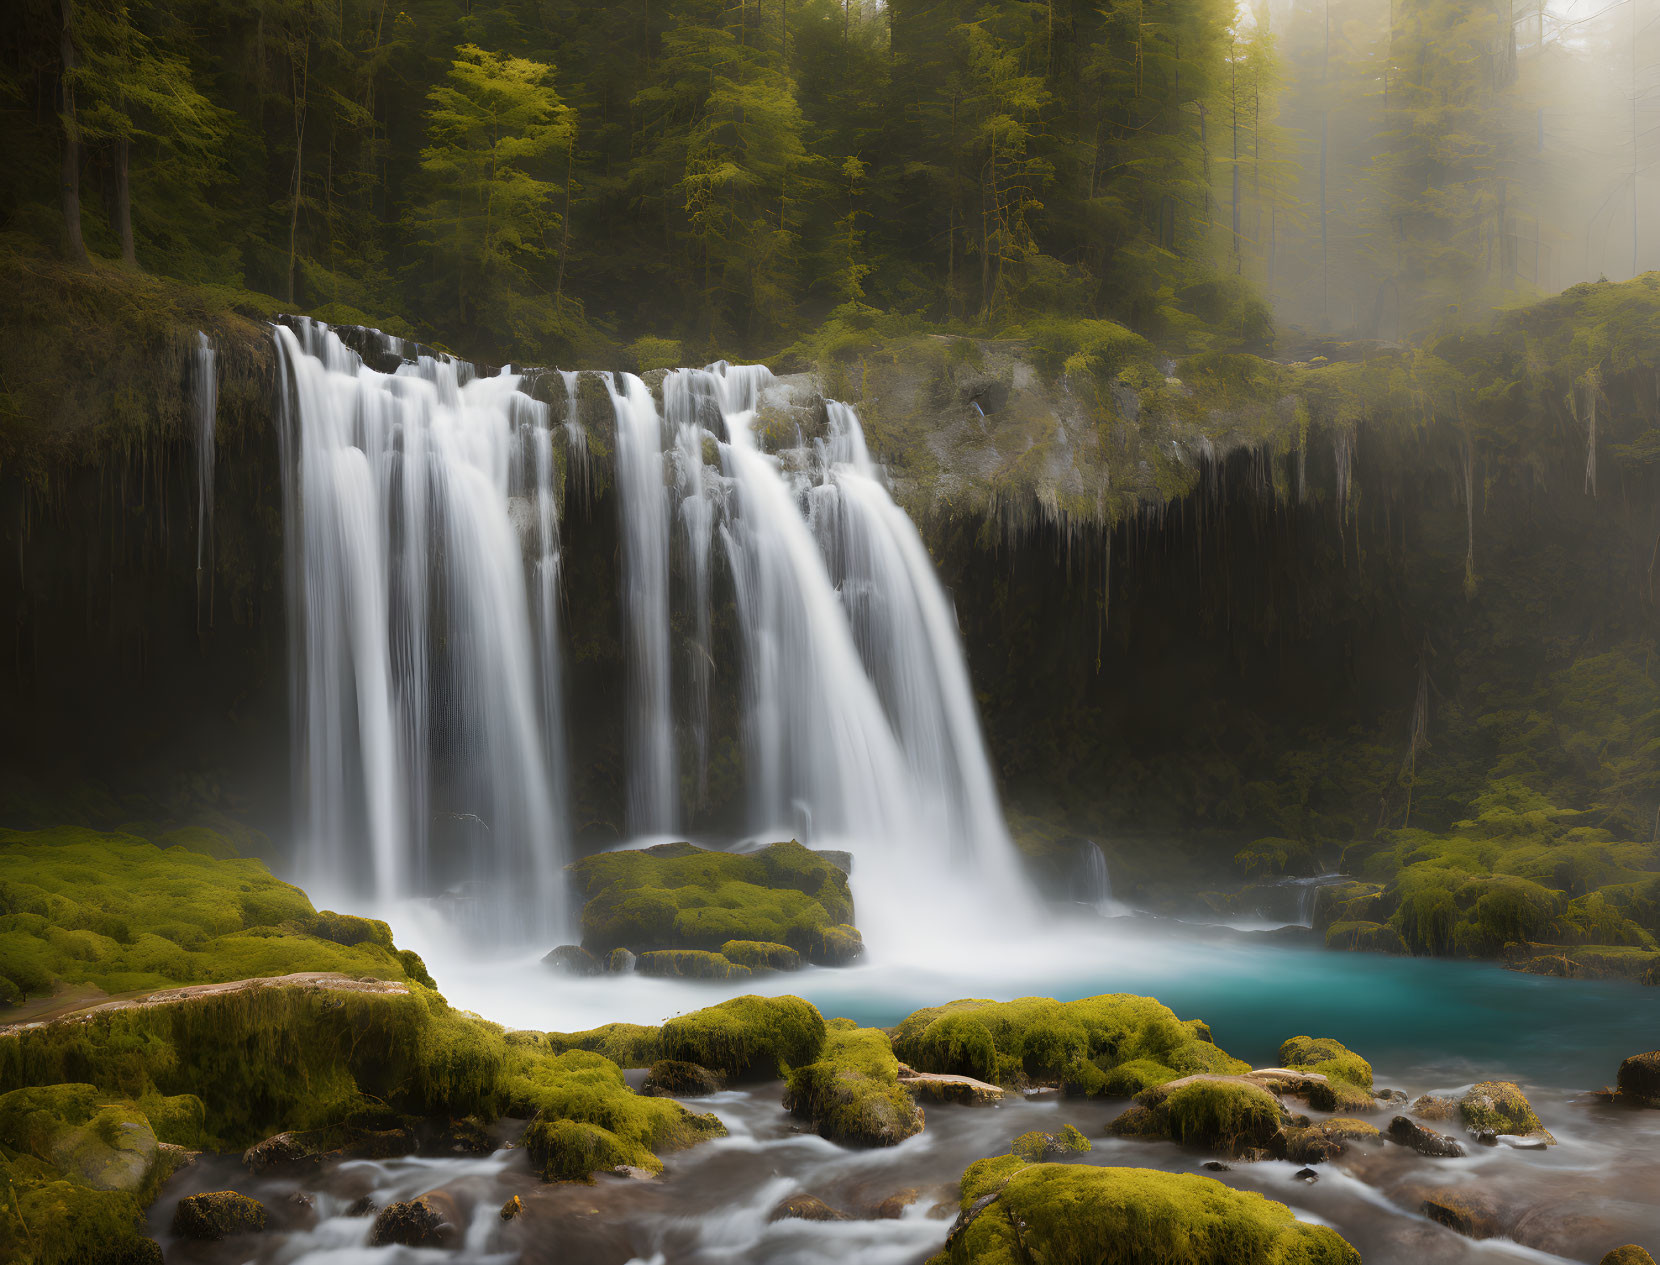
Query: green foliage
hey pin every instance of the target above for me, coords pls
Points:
(1128, 1216)
(747, 1037)
(1331, 1058)
(678, 896)
(1079, 1042)
(122, 914)
(851, 1092)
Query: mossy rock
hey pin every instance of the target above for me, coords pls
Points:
(1330, 1057)
(747, 1038)
(1078, 1043)
(1341, 1098)
(837, 944)
(1495, 1107)
(1225, 1116)
(625, 1044)
(758, 955)
(573, 1151)
(1014, 1212)
(1639, 1078)
(120, 913)
(572, 959)
(669, 1078)
(851, 1092)
(1630, 1254)
(1037, 1146)
(426, 1221)
(678, 896)
(217, 1214)
(689, 964)
(1317, 1143)
(100, 1144)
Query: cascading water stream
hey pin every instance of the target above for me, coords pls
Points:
(413, 499)
(644, 501)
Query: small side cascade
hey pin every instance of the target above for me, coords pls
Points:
(1091, 884)
(205, 391)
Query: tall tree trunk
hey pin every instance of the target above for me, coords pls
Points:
(124, 202)
(74, 244)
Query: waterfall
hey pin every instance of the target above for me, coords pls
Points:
(423, 576)
(1091, 884)
(205, 390)
(687, 411)
(643, 497)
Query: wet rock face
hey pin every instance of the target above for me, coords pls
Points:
(214, 1215)
(1422, 1140)
(310, 1148)
(429, 1220)
(1429, 1107)
(1640, 1079)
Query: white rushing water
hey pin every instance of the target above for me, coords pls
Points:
(414, 501)
(204, 383)
(425, 535)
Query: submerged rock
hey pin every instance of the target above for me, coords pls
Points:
(214, 1215)
(893, 1207)
(806, 1208)
(310, 1148)
(1318, 1143)
(572, 959)
(1639, 1079)
(1470, 1212)
(1424, 1141)
(671, 1078)
(429, 1220)
(512, 1208)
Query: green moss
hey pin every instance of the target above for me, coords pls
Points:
(570, 1150)
(79, 906)
(626, 1044)
(677, 896)
(851, 1092)
(1323, 1054)
(1226, 1116)
(1037, 1146)
(758, 955)
(1129, 1079)
(1499, 1107)
(1050, 1041)
(747, 1037)
(48, 1220)
(1368, 937)
(1341, 1097)
(1127, 1216)
(689, 964)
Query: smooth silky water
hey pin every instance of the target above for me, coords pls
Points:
(421, 514)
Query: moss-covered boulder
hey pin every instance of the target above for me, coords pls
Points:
(572, 959)
(1037, 1146)
(99, 1144)
(747, 1038)
(670, 1078)
(1499, 1107)
(1325, 1140)
(689, 964)
(678, 896)
(1224, 1114)
(1330, 1057)
(1013, 1212)
(1079, 1044)
(1639, 1079)
(124, 914)
(1630, 1254)
(430, 1220)
(217, 1214)
(758, 955)
(625, 1044)
(851, 1092)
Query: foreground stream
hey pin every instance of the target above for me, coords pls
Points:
(1427, 1026)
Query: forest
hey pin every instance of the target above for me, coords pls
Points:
(544, 181)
